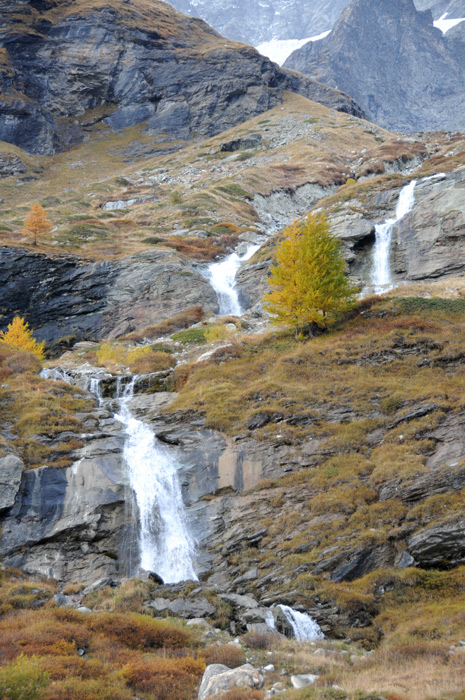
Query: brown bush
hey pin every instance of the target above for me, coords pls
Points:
(54, 632)
(259, 640)
(63, 667)
(14, 361)
(243, 694)
(83, 689)
(165, 679)
(230, 655)
(138, 631)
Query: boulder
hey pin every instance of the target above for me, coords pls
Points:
(303, 680)
(11, 471)
(218, 679)
(188, 608)
(439, 546)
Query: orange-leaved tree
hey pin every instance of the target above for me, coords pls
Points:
(19, 335)
(36, 223)
(309, 280)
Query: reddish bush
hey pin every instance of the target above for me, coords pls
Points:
(139, 631)
(79, 689)
(165, 678)
(230, 655)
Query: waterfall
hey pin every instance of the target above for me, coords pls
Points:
(304, 627)
(165, 545)
(381, 276)
(222, 277)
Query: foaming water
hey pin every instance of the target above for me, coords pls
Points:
(165, 544)
(305, 628)
(381, 275)
(222, 277)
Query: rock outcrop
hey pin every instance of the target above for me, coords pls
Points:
(219, 679)
(64, 296)
(256, 22)
(65, 68)
(394, 62)
(72, 523)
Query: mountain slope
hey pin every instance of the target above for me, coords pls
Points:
(390, 58)
(66, 67)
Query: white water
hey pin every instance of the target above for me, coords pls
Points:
(278, 50)
(165, 545)
(445, 24)
(381, 276)
(304, 627)
(222, 277)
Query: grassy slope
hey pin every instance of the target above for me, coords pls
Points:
(197, 187)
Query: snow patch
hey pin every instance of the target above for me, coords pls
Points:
(445, 24)
(278, 50)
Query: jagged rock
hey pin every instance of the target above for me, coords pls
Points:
(72, 523)
(392, 60)
(106, 299)
(430, 241)
(11, 471)
(156, 578)
(173, 73)
(218, 679)
(255, 22)
(188, 608)
(362, 561)
(11, 164)
(242, 144)
(439, 546)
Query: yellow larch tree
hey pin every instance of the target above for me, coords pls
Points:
(309, 279)
(37, 223)
(19, 335)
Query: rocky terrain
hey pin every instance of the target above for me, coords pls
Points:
(154, 65)
(255, 22)
(404, 73)
(324, 474)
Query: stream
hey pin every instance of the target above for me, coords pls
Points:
(222, 277)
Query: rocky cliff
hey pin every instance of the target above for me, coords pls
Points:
(390, 58)
(257, 22)
(66, 68)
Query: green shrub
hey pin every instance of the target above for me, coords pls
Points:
(23, 679)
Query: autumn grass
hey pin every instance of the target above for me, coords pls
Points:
(37, 408)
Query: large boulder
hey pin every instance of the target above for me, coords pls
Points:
(218, 679)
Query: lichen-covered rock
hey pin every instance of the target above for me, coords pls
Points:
(218, 679)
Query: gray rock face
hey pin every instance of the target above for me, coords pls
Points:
(187, 608)
(439, 545)
(256, 22)
(392, 60)
(11, 470)
(153, 65)
(73, 523)
(218, 679)
(67, 297)
(430, 240)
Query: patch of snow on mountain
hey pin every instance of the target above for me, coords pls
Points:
(279, 49)
(445, 24)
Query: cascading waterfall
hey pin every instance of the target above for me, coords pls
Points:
(165, 545)
(222, 277)
(304, 627)
(381, 276)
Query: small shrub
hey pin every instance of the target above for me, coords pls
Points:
(217, 332)
(165, 678)
(22, 680)
(192, 335)
(92, 689)
(259, 640)
(138, 631)
(230, 655)
(243, 694)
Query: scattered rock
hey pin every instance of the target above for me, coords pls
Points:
(303, 680)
